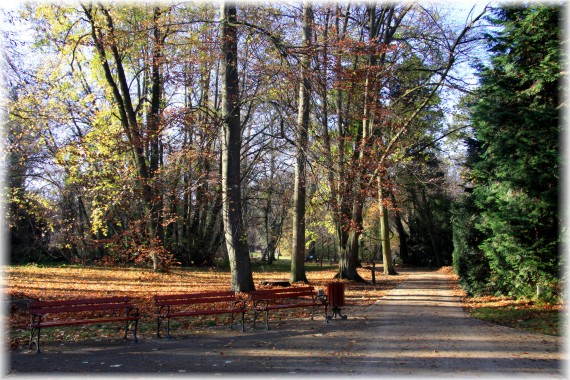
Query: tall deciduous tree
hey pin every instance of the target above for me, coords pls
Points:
(106, 41)
(234, 229)
(303, 118)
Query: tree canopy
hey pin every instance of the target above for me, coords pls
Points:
(186, 134)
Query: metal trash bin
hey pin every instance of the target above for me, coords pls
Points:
(335, 292)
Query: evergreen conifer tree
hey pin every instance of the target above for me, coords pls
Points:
(516, 124)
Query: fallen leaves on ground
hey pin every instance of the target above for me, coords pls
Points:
(521, 314)
(71, 282)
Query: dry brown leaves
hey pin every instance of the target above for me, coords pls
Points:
(42, 283)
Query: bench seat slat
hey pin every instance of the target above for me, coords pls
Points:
(82, 301)
(190, 301)
(165, 297)
(283, 293)
(292, 289)
(281, 296)
(76, 308)
(82, 321)
(287, 306)
(189, 313)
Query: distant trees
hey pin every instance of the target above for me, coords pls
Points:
(173, 133)
(423, 202)
(29, 223)
(391, 62)
(506, 230)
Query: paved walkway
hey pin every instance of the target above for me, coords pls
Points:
(419, 329)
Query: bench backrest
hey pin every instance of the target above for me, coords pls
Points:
(78, 305)
(290, 292)
(194, 298)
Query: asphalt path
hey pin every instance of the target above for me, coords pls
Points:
(418, 330)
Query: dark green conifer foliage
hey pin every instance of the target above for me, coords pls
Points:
(516, 171)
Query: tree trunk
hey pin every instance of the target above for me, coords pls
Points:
(349, 262)
(428, 220)
(234, 230)
(274, 226)
(402, 234)
(299, 197)
(385, 231)
(154, 121)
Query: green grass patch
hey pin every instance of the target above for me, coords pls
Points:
(542, 319)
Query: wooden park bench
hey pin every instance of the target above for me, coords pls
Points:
(81, 312)
(193, 304)
(265, 300)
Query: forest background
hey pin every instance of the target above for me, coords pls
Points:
(165, 134)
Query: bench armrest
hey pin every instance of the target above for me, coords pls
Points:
(36, 319)
(132, 312)
(323, 298)
(264, 302)
(161, 312)
(241, 304)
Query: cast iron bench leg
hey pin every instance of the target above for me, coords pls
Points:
(129, 327)
(36, 332)
(267, 320)
(168, 336)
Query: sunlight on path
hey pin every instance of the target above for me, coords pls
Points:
(421, 325)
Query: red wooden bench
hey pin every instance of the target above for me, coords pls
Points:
(265, 300)
(87, 310)
(206, 303)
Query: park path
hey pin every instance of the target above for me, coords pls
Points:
(426, 332)
(418, 329)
